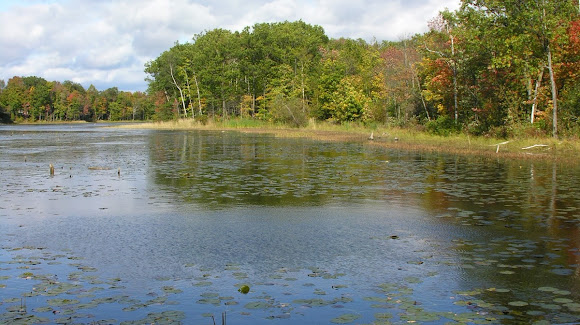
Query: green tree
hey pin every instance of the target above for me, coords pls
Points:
(91, 104)
(37, 98)
(229, 73)
(4, 116)
(14, 97)
(529, 29)
(349, 102)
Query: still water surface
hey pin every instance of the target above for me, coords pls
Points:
(142, 226)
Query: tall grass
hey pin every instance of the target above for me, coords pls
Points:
(409, 138)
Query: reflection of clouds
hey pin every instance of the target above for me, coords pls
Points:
(75, 189)
(153, 223)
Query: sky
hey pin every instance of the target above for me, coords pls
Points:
(107, 42)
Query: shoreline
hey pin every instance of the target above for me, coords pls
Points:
(392, 138)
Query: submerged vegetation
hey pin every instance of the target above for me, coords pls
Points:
(499, 69)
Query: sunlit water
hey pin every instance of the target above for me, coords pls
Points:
(165, 226)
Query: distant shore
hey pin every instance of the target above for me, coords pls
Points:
(390, 137)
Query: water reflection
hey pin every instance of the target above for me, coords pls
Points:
(224, 169)
(496, 229)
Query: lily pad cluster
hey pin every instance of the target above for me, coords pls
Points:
(532, 281)
(55, 289)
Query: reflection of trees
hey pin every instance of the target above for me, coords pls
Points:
(533, 229)
(532, 195)
(530, 208)
(226, 168)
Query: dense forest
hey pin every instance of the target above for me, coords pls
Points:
(490, 67)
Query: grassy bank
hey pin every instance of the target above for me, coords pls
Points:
(391, 137)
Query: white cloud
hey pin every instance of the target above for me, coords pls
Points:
(107, 43)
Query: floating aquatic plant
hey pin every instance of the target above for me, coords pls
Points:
(345, 318)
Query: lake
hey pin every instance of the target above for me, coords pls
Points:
(150, 226)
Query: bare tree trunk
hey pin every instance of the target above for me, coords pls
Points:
(189, 93)
(422, 98)
(552, 78)
(166, 96)
(179, 88)
(454, 68)
(535, 100)
(225, 113)
(198, 95)
(302, 85)
(554, 94)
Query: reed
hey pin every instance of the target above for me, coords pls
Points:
(389, 137)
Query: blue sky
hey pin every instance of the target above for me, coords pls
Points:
(108, 42)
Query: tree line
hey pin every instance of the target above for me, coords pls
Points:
(489, 67)
(36, 99)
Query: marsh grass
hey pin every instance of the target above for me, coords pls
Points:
(390, 137)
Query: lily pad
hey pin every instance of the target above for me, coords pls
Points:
(209, 301)
(507, 272)
(574, 307)
(550, 306)
(413, 279)
(43, 309)
(563, 271)
(518, 303)
(345, 319)
(62, 302)
(563, 300)
(170, 289)
(383, 316)
(312, 302)
(535, 312)
(547, 289)
(257, 305)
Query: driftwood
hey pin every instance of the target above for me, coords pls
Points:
(534, 146)
(499, 144)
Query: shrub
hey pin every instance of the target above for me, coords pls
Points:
(443, 125)
(289, 110)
